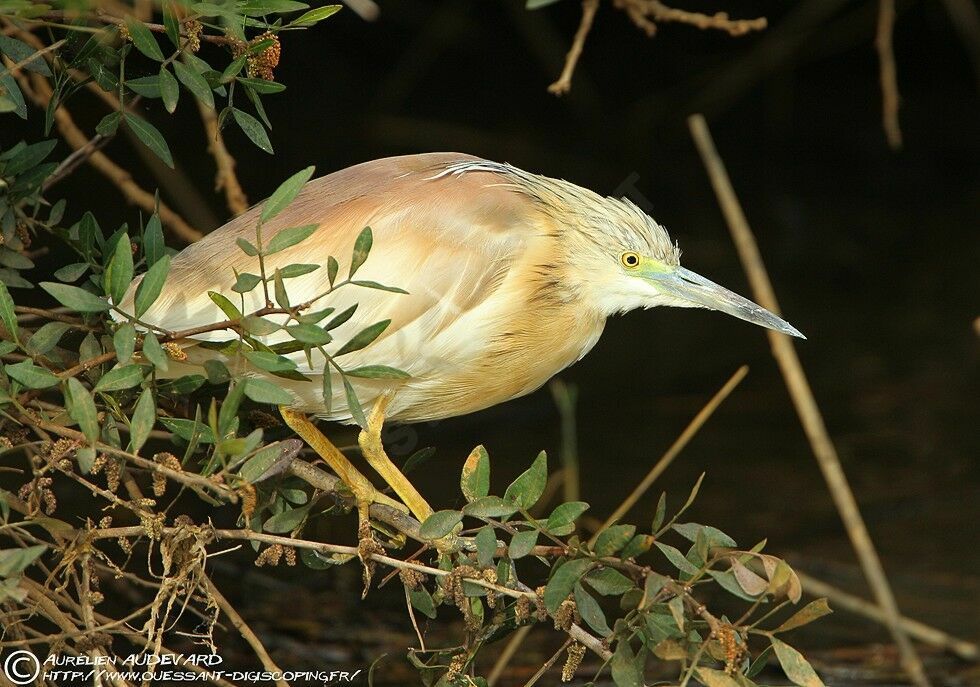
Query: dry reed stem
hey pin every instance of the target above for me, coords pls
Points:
(888, 73)
(968, 651)
(693, 427)
(564, 82)
(510, 649)
(225, 178)
(804, 401)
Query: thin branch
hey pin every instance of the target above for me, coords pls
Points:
(564, 83)
(803, 399)
(246, 632)
(39, 91)
(888, 73)
(840, 599)
(679, 444)
(12, 70)
(225, 178)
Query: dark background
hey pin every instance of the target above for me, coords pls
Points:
(873, 252)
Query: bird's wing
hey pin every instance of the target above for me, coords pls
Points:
(447, 228)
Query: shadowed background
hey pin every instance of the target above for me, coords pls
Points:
(873, 253)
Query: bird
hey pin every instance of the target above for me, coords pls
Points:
(503, 278)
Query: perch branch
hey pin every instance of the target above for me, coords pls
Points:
(888, 73)
(564, 83)
(804, 401)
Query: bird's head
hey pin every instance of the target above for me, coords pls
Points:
(631, 263)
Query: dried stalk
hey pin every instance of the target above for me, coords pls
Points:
(888, 73)
(804, 401)
(225, 178)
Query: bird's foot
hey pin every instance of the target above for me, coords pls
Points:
(374, 453)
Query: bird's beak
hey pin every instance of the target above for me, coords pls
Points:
(703, 293)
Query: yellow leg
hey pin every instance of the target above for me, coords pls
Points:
(364, 492)
(374, 454)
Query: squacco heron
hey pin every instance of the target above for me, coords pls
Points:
(510, 278)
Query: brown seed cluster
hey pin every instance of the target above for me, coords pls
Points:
(249, 499)
(412, 579)
(260, 418)
(522, 610)
(192, 29)
(167, 460)
(261, 65)
(566, 614)
(174, 351)
(38, 492)
(733, 650)
(112, 469)
(270, 556)
(576, 652)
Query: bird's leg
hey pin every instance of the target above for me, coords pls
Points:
(374, 454)
(364, 492)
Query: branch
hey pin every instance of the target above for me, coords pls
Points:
(803, 399)
(888, 73)
(564, 83)
(225, 178)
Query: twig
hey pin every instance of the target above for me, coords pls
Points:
(564, 83)
(840, 599)
(12, 70)
(546, 666)
(645, 13)
(246, 632)
(803, 399)
(40, 93)
(693, 427)
(888, 73)
(513, 644)
(225, 178)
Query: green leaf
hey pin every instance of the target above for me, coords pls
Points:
(253, 129)
(565, 514)
(289, 237)
(81, 408)
(19, 52)
(151, 285)
(258, 8)
(171, 24)
(119, 272)
(287, 521)
(217, 371)
(125, 377)
(807, 614)
(353, 403)
(486, 546)
(7, 313)
(637, 546)
(154, 246)
(363, 338)
(422, 602)
(247, 247)
(270, 362)
(282, 298)
(30, 375)
(194, 83)
(714, 537)
(612, 539)
(15, 561)
(71, 272)
(377, 372)
(297, 270)
(538, 4)
(340, 318)
(285, 194)
(75, 298)
(28, 157)
(475, 478)
(489, 507)
(153, 351)
(797, 669)
(333, 267)
(47, 337)
(590, 611)
(309, 333)
(677, 558)
(563, 581)
(710, 677)
(522, 543)
(317, 14)
(227, 307)
(150, 137)
(229, 407)
(259, 326)
(187, 429)
(261, 85)
(245, 282)
(439, 524)
(143, 39)
(529, 485)
(144, 417)
(257, 465)
(362, 247)
(262, 391)
(169, 90)
(609, 582)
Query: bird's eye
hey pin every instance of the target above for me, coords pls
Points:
(630, 260)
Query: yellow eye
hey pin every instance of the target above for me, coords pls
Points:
(630, 260)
